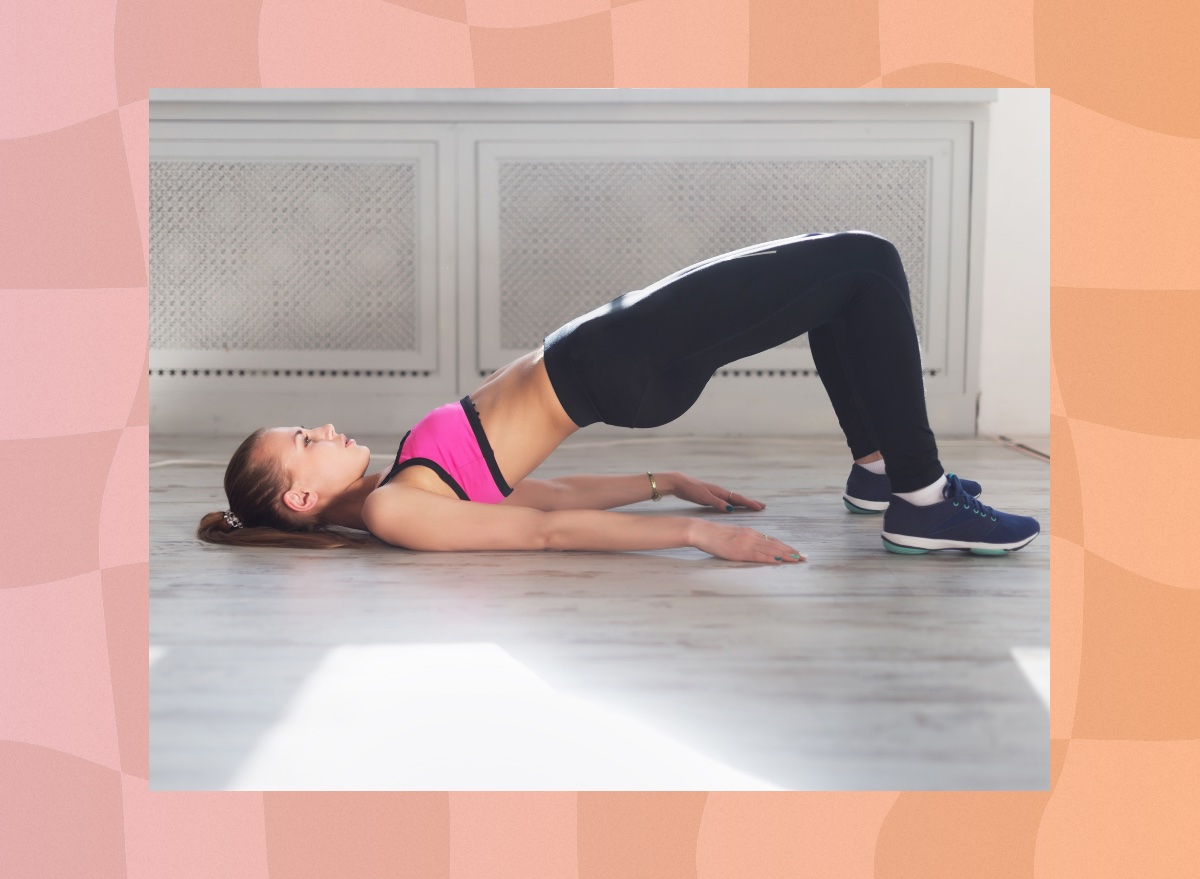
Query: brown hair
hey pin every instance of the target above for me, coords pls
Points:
(254, 488)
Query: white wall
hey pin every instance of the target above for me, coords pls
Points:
(1014, 375)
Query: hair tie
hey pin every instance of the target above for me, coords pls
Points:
(234, 521)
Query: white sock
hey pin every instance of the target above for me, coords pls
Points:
(874, 466)
(927, 496)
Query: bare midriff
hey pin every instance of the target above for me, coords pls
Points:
(522, 417)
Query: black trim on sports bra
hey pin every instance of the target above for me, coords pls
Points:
(395, 467)
(484, 445)
(423, 462)
(436, 468)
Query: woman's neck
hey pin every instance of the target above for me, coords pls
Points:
(346, 509)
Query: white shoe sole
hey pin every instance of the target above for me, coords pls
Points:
(926, 544)
(855, 505)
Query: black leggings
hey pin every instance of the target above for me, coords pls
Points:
(643, 359)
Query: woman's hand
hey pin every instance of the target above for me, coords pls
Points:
(740, 544)
(689, 488)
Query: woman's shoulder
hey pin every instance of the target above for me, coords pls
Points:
(403, 511)
(399, 494)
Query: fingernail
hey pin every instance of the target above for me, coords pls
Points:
(728, 509)
(795, 555)
(778, 559)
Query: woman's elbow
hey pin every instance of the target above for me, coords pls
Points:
(553, 532)
(529, 529)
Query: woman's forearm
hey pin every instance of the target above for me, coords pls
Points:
(605, 492)
(601, 530)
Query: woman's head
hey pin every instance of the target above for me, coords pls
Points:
(279, 481)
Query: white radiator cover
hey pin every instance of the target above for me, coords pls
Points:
(284, 256)
(364, 256)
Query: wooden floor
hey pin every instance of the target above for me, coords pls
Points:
(388, 669)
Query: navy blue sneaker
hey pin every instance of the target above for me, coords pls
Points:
(958, 522)
(868, 492)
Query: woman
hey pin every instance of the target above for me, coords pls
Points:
(639, 361)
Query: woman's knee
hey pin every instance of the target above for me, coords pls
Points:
(873, 247)
(879, 255)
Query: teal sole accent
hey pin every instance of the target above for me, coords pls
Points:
(977, 551)
(860, 510)
(903, 550)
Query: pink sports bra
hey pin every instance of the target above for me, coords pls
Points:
(451, 442)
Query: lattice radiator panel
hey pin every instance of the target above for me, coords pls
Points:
(575, 234)
(283, 256)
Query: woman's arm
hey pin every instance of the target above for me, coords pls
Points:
(605, 492)
(421, 520)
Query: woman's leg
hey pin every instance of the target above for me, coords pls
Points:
(829, 351)
(643, 359)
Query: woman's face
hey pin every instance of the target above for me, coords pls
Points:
(322, 463)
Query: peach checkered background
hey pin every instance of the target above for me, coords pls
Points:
(1125, 116)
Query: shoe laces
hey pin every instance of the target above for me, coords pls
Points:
(955, 493)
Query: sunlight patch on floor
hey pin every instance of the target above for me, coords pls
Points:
(462, 717)
(1035, 664)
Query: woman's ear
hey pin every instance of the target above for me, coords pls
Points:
(299, 500)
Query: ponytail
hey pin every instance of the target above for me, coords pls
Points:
(254, 488)
(214, 528)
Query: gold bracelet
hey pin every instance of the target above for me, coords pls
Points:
(654, 496)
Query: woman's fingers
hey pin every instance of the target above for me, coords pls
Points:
(784, 553)
(742, 544)
(739, 500)
(719, 502)
(778, 551)
(726, 499)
